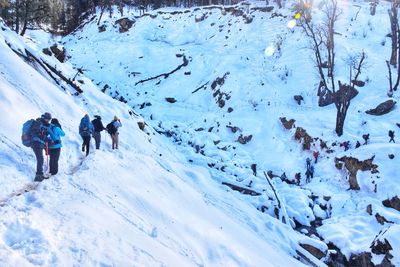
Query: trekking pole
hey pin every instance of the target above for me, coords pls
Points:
(47, 158)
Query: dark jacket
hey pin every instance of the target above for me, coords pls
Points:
(98, 125)
(40, 133)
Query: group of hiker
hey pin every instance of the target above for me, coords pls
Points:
(45, 133)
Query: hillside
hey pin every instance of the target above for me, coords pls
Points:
(210, 180)
(140, 206)
(209, 77)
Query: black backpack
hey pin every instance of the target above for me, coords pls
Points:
(111, 128)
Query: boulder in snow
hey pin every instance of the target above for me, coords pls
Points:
(124, 24)
(382, 108)
(393, 203)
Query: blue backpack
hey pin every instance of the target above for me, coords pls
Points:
(26, 136)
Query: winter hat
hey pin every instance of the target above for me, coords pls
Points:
(116, 118)
(46, 116)
(55, 122)
(97, 117)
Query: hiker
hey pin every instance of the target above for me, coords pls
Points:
(358, 144)
(315, 155)
(39, 136)
(56, 133)
(98, 128)
(345, 145)
(391, 135)
(85, 131)
(297, 178)
(366, 138)
(308, 163)
(112, 129)
(308, 175)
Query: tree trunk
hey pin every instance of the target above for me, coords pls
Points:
(394, 28)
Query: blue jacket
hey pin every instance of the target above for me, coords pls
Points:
(117, 124)
(55, 134)
(85, 127)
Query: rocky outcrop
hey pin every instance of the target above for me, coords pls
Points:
(302, 135)
(244, 139)
(58, 52)
(124, 24)
(298, 99)
(170, 100)
(316, 252)
(354, 165)
(288, 124)
(393, 203)
(382, 108)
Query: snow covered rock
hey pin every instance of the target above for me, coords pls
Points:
(353, 165)
(392, 203)
(382, 108)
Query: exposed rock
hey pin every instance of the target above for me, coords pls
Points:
(244, 139)
(314, 251)
(358, 83)
(380, 247)
(382, 108)
(263, 9)
(287, 124)
(243, 190)
(353, 165)
(391, 156)
(369, 209)
(230, 110)
(382, 220)
(58, 53)
(102, 28)
(298, 99)
(125, 24)
(170, 99)
(393, 203)
(47, 51)
(234, 129)
(141, 125)
(254, 169)
(361, 260)
(302, 134)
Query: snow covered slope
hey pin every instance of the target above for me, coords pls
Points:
(143, 205)
(209, 77)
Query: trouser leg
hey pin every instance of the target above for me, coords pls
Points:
(39, 159)
(54, 157)
(97, 139)
(86, 142)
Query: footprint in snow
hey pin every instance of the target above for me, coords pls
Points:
(27, 241)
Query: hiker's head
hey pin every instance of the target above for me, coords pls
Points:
(46, 116)
(116, 118)
(55, 122)
(97, 117)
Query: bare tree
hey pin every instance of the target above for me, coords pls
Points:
(322, 41)
(395, 55)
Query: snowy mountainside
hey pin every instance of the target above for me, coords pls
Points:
(140, 206)
(213, 78)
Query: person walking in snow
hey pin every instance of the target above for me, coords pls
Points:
(391, 135)
(98, 128)
(366, 138)
(308, 163)
(40, 135)
(358, 144)
(315, 155)
(85, 131)
(115, 136)
(56, 133)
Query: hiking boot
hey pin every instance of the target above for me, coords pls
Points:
(39, 177)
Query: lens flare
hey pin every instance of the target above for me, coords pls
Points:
(291, 24)
(269, 51)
